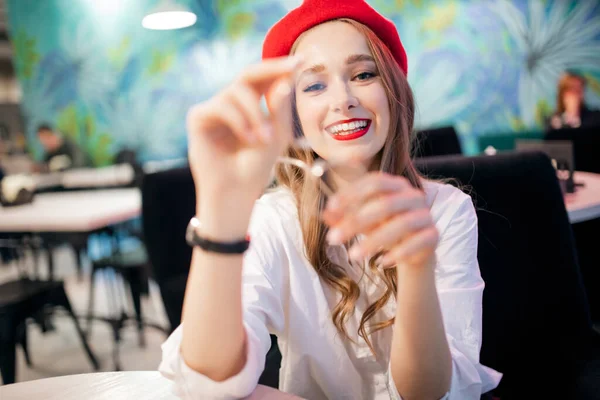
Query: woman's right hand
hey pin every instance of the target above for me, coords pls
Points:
(233, 145)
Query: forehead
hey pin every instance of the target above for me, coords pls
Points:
(574, 81)
(331, 40)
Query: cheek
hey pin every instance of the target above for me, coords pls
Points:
(381, 107)
(310, 113)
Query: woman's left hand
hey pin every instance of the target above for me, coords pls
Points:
(391, 213)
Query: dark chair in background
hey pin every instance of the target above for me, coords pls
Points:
(168, 204)
(506, 141)
(128, 156)
(437, 142)
(586, 147)
(130, 262)
(23, 299)
(536, 324)
(132, 266)
(586, 143)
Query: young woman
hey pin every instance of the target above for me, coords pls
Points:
(571, 111)
(396, 312)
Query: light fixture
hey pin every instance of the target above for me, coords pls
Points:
(169, 16)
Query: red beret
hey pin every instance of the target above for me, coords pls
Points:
(283, 34)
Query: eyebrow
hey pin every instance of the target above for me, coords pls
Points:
(351, 59)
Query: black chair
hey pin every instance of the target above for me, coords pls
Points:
(128, 156)
(168, 203)
(23, 299)
(436, 142)
(130, 263)
(536, 324)
(132, 266)
(586, 142)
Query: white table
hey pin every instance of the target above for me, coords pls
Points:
(80, 211)
(111, 386)
(584, 204)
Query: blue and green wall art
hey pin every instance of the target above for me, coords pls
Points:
(89, 67)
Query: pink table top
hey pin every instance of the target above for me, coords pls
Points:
(584, 204)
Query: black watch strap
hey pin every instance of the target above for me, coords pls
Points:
(193, 239)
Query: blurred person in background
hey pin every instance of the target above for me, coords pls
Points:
(61, 152)
(571, 110)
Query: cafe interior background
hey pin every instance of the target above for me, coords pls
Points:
(91, 70)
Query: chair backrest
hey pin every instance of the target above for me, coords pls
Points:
(586, 142)
(437, 142)
(507, 140)
(128, 156)
(168, 203)
(535, 317)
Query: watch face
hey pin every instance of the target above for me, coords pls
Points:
(191, 228)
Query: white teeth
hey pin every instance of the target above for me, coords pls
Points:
(347, 128)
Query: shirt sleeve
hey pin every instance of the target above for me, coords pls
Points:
(460, 292)
(263, 312)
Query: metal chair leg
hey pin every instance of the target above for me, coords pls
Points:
(8, 358)
(22, 338)
(63, 300)
(117, 320)
(90, 313)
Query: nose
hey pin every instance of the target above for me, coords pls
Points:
(342, 98)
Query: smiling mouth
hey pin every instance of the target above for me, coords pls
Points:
(350, 129)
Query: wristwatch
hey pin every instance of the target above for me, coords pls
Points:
(194, 239)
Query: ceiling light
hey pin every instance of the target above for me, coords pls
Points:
(169, 16)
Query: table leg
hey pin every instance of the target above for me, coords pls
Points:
(50, 259)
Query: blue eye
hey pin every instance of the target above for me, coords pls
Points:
(363, 76)
(314, 87)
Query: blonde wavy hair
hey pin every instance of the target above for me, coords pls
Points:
(393, 159)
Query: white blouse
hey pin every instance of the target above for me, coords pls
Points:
(282, 294)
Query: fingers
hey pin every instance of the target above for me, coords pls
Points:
(360, 191)
(248, 101)
(221, 118)
(371, 214)
(415, 250)
(262, 76)
(391, 213)
(237, 108)
(393, 231)
(281, 112)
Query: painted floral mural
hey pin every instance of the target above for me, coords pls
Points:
(89, 68)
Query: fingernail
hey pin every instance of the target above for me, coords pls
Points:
(334, 237)
(355, 253)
